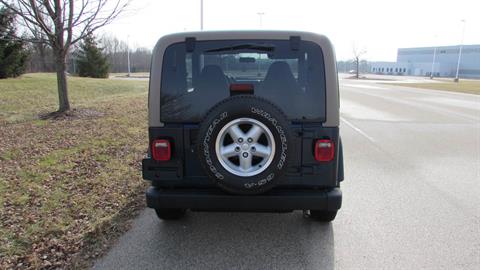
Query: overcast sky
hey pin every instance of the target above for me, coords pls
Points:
(378, 26)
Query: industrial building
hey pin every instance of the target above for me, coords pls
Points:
(443, 59)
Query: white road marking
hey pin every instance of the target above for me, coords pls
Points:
(357, 130)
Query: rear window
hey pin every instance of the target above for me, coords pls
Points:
(289, 74)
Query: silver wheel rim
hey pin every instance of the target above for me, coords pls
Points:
(245, 147)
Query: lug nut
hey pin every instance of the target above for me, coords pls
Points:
(245, 154)
(250, 140)
(240, 140)
(237, 149)
(253, 149)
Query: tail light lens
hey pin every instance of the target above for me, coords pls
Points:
(324, 150)
(161, 150)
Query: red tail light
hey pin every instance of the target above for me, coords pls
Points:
(324, 150)
(161, 150)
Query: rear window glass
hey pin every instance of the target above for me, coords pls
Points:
(289, 74)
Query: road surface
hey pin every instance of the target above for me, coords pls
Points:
(411, 199)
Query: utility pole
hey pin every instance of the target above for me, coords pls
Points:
(433, 62)
(260, 14)
(460, 52)
(128, 54)
(74, 65)
(201, 15)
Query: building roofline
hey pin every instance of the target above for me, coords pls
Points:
(441, 47)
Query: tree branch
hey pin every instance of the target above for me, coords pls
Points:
(69, 27)
(93, 23)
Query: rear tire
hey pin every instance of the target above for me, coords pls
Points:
(170, 214)
(322, 215)
(243, 144)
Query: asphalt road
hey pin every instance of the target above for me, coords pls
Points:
(411, 199)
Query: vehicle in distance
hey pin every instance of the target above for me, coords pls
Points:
(244, 121)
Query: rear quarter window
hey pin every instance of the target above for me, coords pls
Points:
(291, 77)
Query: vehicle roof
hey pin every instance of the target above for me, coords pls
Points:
(331, 80)
(241, 34)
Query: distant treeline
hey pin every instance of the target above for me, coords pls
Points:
(41, 58)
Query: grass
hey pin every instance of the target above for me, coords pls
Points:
(61, 181)
(463, 86)
(24, 98)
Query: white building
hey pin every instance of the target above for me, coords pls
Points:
(390, 68)
(419, 62)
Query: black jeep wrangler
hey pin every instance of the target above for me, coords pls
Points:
(244, 121)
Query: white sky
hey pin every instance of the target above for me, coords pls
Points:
(378, 26)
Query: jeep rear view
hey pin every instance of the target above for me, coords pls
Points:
(244, 121)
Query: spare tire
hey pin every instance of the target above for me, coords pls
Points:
(243, 144)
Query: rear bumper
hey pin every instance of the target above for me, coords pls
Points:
(275, 200)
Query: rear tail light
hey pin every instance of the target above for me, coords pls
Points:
(324, 150)
(161, 150)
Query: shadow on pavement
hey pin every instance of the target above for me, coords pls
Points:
(224, 241)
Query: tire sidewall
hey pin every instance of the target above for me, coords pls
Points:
(227, 111)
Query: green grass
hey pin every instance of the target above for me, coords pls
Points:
(464, 86)
(60, 180)
(25, 97)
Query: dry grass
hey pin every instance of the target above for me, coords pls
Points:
(62, 180)
(463, 86)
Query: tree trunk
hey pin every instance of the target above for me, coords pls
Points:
(61, 67)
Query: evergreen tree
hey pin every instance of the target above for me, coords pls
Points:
(91, 62)
(13, 53)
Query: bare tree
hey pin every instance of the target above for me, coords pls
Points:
(40, 47)
(63, 23)
(357, 54)
(117, 50)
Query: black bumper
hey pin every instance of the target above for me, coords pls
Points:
(275, 200)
